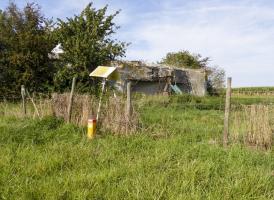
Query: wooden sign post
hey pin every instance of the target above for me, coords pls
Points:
(104, 72)
(100, 100)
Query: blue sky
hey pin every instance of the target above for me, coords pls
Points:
(238, 35)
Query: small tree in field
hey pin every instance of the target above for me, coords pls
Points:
(215, 79)
(184, 59)
(87, 42)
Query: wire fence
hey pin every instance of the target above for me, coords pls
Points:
(84, 107)
(251, 119)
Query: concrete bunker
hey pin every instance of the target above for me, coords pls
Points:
(158, 79)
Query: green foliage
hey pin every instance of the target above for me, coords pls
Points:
(42, 132)
(25, 41)
(27, 38)
(185, 59)
(87, 42)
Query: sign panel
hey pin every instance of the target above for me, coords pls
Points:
(102, 71)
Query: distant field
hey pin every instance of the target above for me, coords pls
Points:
(177, 155)
(256, 89)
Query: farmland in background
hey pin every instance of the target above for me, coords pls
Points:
(176, 154)
(254, 91)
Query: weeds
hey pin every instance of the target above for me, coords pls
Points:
(253, 125)
(15, 109)
(83, 107)
(112, 116)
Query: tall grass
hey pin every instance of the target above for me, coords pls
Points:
(44, 106)
(176, 155)
(253, 125)
(50, 159)
(83, 107)
(112, 116)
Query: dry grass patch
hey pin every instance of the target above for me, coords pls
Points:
(112, 117)
(83, 107)
(16, 109)
(253, 125)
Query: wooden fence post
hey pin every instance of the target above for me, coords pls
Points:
(34, 105)
(227, 110)
(23, 94)
(128, 105)
(71, 99)
(128, 108)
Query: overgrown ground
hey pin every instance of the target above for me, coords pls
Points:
(178, 155)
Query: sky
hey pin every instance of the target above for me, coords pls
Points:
(237, 35)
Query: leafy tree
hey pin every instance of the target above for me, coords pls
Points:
(87, 42)
(25, 40)
(185, 59)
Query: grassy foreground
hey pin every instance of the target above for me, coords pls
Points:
(177, 156)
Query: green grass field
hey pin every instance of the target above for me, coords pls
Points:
(177, 155)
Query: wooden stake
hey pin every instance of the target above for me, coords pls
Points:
(71, 99)
(227, 110)
(34, 105)
(23, 94)
(128, 105)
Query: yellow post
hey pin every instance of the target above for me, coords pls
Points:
(91, 128)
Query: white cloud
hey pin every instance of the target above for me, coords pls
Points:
(237, 37)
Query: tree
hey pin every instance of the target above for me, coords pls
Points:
(25, 40)
(214, 75)
(87, 42)
(185, 59)
(215, 80)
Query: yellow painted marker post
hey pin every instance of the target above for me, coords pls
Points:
(91, 128)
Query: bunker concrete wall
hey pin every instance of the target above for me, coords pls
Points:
(190, 81)
(148, 87)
